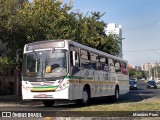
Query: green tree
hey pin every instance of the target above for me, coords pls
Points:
(48, 19)
(90, 32)
(11, 32)
(136, 73)
(6, 68)
(132, 72)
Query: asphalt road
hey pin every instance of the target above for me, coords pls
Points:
(142, 93)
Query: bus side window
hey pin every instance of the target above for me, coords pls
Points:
(103, 64)
(106, 65)
(75, 50)
(76, 59)
(94, 61)
(123, 68)
(71, 58)
(117, 66)
(85, 59)
(111, 65)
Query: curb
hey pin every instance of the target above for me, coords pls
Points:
(21, 104)
(13, 101)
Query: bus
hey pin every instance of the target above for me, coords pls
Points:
(57, 70)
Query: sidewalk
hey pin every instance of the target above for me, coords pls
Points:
(13, 100)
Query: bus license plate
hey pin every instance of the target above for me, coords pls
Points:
(42, 95)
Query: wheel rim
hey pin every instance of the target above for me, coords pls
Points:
(85, 97)
(117, 94)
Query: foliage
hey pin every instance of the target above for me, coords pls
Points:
(6, 66)
(134, 73)
(50, 19)
(9, 29)
(153, 72)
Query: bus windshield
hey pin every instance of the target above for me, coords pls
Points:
(45, 64)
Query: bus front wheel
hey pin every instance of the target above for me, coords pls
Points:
(85, 98)
(48, 103)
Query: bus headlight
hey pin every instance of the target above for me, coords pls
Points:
(135, 85)
(63, 85)
(26, 86)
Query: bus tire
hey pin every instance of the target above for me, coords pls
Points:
(116, 96)
(85, 98)
(48, 103)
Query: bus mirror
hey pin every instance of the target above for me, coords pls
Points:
(74, 59)
(52, 51)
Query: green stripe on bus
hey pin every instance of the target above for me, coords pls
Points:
(78, 77)
(44, 87)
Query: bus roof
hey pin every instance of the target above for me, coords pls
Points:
(95, 50)
(81, 46)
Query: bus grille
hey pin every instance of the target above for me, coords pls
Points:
(42, 83)
(42, 87)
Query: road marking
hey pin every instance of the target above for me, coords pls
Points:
(141, 95)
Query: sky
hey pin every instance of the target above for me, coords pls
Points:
(140, 20)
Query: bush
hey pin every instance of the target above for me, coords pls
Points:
(6, 66)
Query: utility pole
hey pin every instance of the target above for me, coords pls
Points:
(156, 72)
(149, 72)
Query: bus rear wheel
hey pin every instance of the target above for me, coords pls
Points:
(116, 96)
(48, 103)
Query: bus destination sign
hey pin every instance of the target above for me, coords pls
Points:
(44, 45)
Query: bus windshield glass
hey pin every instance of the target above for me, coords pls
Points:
(45, 64)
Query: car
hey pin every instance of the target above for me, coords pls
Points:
(132, 84)
(142, 79)
(134, 79)
(152, 84)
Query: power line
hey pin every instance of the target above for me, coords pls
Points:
(153, 50)
(144, 50)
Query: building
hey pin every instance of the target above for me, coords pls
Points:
(148, 66)
(138, 67)
(112, 29)
(134, 67)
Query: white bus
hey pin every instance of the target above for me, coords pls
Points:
(57, 70)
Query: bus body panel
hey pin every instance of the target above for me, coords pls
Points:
(27, 94)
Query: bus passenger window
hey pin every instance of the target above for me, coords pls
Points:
(102, 63)
(76, 59)
(123, 68)
(85, 59)
(117, 66)
(94, 61)
(111, 65)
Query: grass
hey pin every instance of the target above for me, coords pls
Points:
(114, 109)
(147, 105)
